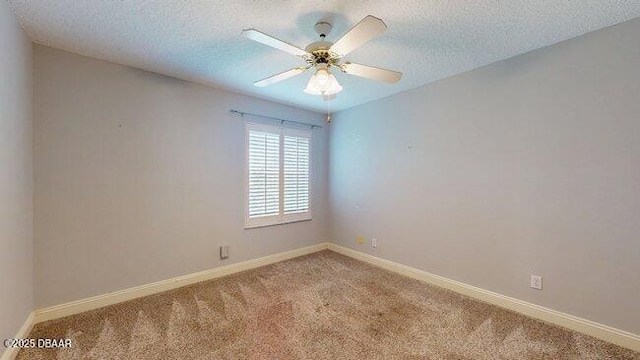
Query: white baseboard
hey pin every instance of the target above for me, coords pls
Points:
(95, 302)
(603, 332)
(25, 329)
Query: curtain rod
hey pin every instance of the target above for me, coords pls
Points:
(242, 114)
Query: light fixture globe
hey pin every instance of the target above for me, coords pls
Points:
(322, 77)
(323, 83)
(312, 87)
(333, 86)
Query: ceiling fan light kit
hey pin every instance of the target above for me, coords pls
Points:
(323, 55)
(323, 83)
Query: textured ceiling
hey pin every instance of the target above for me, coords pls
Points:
(200, 40)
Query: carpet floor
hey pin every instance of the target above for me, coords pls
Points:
(319, 306)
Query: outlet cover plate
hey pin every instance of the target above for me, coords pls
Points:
(536, 282)
(224, 252)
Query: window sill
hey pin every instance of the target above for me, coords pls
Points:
(274, 223)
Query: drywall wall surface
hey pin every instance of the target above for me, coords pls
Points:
(16, 175)
(526, 166)
(140, 177)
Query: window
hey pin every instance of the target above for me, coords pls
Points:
(277, 175)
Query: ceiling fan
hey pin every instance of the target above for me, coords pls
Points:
(323, 55)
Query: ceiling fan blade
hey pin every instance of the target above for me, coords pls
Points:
(361, 33)
(263, 38)
(371, 72)
(279, 77)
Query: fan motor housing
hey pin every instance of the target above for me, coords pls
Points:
(318, 45)
(321, 53)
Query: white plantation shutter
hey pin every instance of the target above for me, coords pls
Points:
(296, 171)
(277, 175)
(264, 172)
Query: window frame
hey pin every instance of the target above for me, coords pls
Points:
(281, 218)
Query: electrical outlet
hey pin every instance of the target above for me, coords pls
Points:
(374, 242)
(224, 251)
(360, 240)
(536, 282)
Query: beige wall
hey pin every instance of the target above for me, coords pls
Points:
(526, 166)
(139, 177)
(16, 176)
